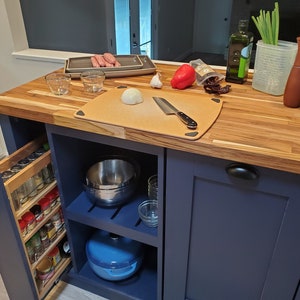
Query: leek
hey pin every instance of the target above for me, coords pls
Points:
(267, 25)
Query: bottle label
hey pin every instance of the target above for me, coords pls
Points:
(244, 61)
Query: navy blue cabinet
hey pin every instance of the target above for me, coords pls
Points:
(73, 152)
(232, 231)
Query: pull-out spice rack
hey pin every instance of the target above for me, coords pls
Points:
(21, 206)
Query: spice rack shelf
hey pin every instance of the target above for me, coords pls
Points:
(30, 234)
(23, 203)
(60, 236)
(29, 204)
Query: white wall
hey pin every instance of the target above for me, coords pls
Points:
(16, 71)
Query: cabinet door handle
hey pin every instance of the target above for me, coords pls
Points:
(242, 171)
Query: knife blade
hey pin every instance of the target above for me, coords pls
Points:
(169, 109)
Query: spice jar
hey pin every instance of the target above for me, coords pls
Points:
(37, 211)
(39, 151)
(22, 193)
(16, 168)
(6, 175)
(54, 255)
(45, 205)
(15, 199)
(45, 269)
(51, 231)
(23, 227)
(29, 218)
(32, 157)
(38, 179)
(23, 163)
(30, 252)
(47, 173)
(53, 195)
(31, 187)
(56, 221)
(44, 237)
(37, 246)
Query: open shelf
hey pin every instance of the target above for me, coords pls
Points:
(142, 285)
(113, 219)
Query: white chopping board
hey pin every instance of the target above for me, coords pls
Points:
(108, 108)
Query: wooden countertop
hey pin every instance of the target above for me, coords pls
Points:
(253, 127)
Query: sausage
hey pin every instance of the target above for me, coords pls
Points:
(117, 64)
(101, 60)
(94, 62)
(109, 58)
(108, 65)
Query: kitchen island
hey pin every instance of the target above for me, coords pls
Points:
(229, 201)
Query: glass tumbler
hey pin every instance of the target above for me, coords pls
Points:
(152, 187)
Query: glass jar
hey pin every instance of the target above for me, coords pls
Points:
(53, 195)
(16, 168)
(30, 252)
(56, 221)
(152, 187)
(6, 175)
(29, 218)
(32, 157)
(37, 211)
(37, 246)
(22, 193)
(47, 173)
(44, 237)
(23, 163)
(23, 227)
(45, 204)
(15, 199)
(31, 187)
(38, 179)
(39, 151)
(55, 256)
(51, 231)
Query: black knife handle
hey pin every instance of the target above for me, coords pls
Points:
(190, 123)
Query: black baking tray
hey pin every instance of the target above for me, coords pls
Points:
(131, 65)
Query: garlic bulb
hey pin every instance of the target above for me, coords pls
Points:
(155, 81)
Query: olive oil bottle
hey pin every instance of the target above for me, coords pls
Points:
(239, 54)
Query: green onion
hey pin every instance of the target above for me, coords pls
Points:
(267, 25)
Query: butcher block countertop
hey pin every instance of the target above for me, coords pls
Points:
(252, 127)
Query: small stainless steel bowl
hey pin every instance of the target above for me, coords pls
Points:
(112, 181)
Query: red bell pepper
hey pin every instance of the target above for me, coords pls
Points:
(184, 77)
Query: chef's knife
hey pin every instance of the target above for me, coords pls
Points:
(169, 109)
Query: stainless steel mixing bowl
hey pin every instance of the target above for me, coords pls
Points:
(112, 181)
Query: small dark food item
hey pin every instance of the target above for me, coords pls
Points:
(212, 86)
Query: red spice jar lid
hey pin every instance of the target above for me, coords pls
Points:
(54, 252)
(53, 193)
(22, 224)
(28, 217)
(44, 202)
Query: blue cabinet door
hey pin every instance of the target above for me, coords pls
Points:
(232, 230)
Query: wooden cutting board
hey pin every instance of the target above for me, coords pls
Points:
(147, 116)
